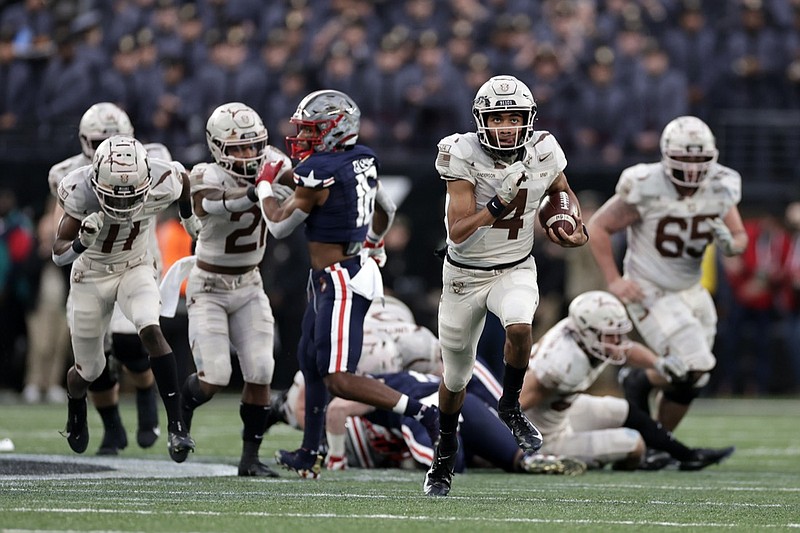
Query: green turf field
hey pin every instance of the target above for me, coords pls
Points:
(758, 488)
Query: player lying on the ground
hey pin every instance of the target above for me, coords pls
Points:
(601, 430)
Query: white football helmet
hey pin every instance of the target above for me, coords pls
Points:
(420, 351)
(595, 314)
(237, 126)
(100, 122)
(688, 150)
(499, 95)
(121, 178)
(336, 120)
(379, 354)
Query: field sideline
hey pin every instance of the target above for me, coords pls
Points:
(758, 488)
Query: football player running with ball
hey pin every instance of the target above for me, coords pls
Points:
(495, 179)
(109, 208)
(101, 121)
(671, 211)
(227, 305)
(346, 213)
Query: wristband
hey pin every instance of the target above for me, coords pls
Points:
(251, 194)
(495, 206)
(263, 190)
(373, 237)
(78, 247)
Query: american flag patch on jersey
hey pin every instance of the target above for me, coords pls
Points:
(443, 159)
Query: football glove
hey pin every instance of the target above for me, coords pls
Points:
(269, 172)
(376, 251)
(722, 235)
(90, 228)
(281, 192)
(515, 175)
(192, 225)
(672, 368)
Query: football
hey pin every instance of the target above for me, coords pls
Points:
(557, 211)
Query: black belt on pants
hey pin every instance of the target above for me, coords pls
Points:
(489, 268)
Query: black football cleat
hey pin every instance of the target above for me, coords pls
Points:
(304, 463)
(77, 430)
(655, 460)
(180, 444)
(539, 463)
(529, 438)
(704, 457)
(114, 439)
(255, 468)
(439, 476)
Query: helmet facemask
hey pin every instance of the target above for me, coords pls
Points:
(688, 151)
(121, 179)
(501, 96)
(326, 121)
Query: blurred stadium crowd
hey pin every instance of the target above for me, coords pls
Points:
(607, 76)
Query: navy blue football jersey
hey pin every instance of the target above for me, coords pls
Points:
(351, 176)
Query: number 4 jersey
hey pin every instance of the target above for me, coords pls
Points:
(510, 238)
(121, 241)
(666, 246)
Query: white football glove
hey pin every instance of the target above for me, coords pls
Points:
(90, 228)
(376, 251)
(722, 235)
(514, 176)
(281, 192)
(672, 368)
(192, 225)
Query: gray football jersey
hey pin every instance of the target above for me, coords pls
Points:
(232, 239)
(511, 237)
(560, 365)
(666, 246)
(121, 240)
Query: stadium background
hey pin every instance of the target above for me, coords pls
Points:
(607, 76)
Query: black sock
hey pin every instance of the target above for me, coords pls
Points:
(448, 425)
(654, 434)
(165, 371)
(254, 418)
(637, 389)
(146, 416)
(512, 386)
(110, 417)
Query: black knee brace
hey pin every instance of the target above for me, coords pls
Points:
(129, 351)
(105, 382)
(682, 392)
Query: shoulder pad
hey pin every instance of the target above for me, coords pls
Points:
(455, 152)
(75, 194)
(203, 176)
(158, 151)
(639, 181)
(727, 182)
(274, 155)
(311, 181)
